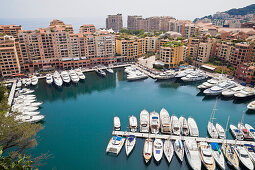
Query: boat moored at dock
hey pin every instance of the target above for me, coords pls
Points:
(243, 157)
(184, 127)
(132, 123)
(175, 125)
(49, 79)
(193, 129)
(206, 156)
(130, 144)
(251, 130)
(144, 121)
(218, 155)
(230, 155)
(154, 122)
(251, 105)
(57, 79)
(116, 123)
(158, 149)
(115, 144)
(236, 132)
(179, 149)
(192, 154)
(168, 150)
(147, 150)
(165, 121)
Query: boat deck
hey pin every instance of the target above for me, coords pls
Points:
(174, 137)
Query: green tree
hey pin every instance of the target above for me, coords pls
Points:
(15, 136)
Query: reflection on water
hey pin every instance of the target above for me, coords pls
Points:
(93, 82)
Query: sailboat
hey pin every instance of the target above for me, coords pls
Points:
(158, 149)
(244, 130)
(244, 157)
(210, 127)
(168, 150)
(229, 153)
(130, 144)
(218, 155)
(178, 148)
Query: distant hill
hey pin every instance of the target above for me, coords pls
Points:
(235, 11)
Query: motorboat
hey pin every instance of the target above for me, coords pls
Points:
(109, 70)
(243, 157)
(24, 97)
(218, 155)
(192, 154)
(19, 83)
(178, 148)
(30, 113)
(34, 80)
(25, 91)
(30, 119)
(194, 77)
(100, 72)
(147, 150)
(158, 149)
(20, 108)
(193, 129)
(24, 104)
(165, 121)
(144, 121)
(168, 150)
(212, 130)
(251, 151)
(165, 76)
(230, 155)
(20, 101)
(175, 125)
(221, 131)
(184, 127)
(245, 131)
(251, 105)
(49, 79)
(130, 144)
(24, 81)
(251, 130)
(74, 76)
(245, 92)
(28, 82)
(206, 155)
(132, 123)
(230, 92)
(136, 76)
(80, 74)
(115, 144)
(217, 90)
(154, 122)
(57, 79)
(236, 132)
(116, 123)
(130, 69)
(65, 77)
(184, 73)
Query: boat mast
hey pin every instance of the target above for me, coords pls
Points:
(242, 120)
(226, 129)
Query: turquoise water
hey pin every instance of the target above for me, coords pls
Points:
(79, 118)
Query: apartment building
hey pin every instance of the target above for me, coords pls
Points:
(59, 26)
(151, 44)
(204, 52)
(246, 73)
(132, 22)
(9, 60)
(223, 51)
(172, 53)
(87, 28)
(114, 22)
(10, 30)
(193, 45)
(188, 30)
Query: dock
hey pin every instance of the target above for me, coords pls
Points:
(174, 137)
(12, 92)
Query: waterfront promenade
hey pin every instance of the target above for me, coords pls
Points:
(174, 137)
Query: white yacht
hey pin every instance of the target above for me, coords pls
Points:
(165, 76)
(194, 77)
(132, 123)
(28, 82)
(192, 154)
(158, 149)
(74, 76)
(230, 92)
(23, 97)
(34, 80)
(251, 105)
(251, 151)
(109, 70)
(57, 79)
(243, 157)
(65, 77)
(217, 90)
(115, 144)
(136, 76)
(251, 130)
(168, 150)
(49, 79)
(21, 108)
(212, 130)
(246, 132)
(165, 121)
(206, 85)
(184, 73)
(30, 113)
(25, 91)
(193, 129)
(80, 74)
(206, 155)
(244, 93)
(116, 123)
(20, 101)
(179, 149)
(184, 127)
(147, 150)
(130, 144)
(144, 121)
(30, 119)
(230, 155)
(19, 83)
(154, 122)
(175, 125)
(236, 132)
(221, 131)
(100, 72)
(217, 155)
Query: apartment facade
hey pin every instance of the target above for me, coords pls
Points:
(9, 56)
(114, 22)
(10, 30)
(246, 73)
(87, 28)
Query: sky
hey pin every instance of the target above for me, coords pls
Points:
(98, 9)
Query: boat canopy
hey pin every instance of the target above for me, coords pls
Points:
(245, 130)
(252, 130)
(215, 146)
(154, 117)
(117, 138)
(131, 137)
(237, 130)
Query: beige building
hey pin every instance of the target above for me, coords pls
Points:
(87, 28)
(9, 56)
(114, 22)
(10, 30)
(204, 51)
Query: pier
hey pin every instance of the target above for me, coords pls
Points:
(174, 137)
(12, 92)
